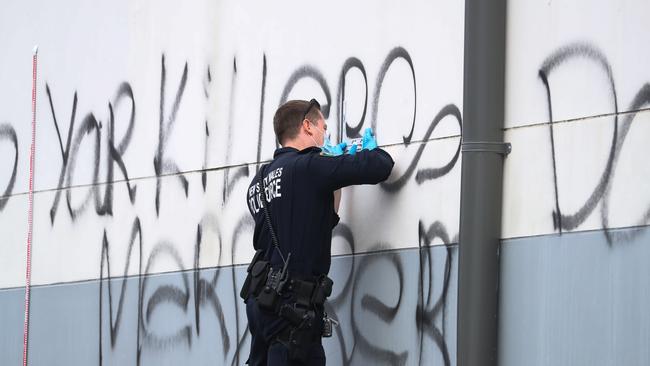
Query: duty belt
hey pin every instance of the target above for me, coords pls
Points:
(307, 290)
(302, 290)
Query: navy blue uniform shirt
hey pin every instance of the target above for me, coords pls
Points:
(299, 189)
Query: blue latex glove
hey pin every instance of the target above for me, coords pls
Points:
(353, 149)
(368, 142)
(333, 150)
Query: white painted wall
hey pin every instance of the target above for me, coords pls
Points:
(90, 50)
(574, 291)
(239, 58)
(596, 38)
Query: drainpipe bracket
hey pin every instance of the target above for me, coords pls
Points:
(503, 148)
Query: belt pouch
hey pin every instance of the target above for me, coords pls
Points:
(255, 279)
(322, 291)
(268, 298)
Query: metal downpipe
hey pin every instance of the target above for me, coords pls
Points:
(481, 181)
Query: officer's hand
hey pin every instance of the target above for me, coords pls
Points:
(353, 149)
(368, 142)
(333, 150)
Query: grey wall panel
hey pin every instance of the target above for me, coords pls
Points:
(570, 299)
(393, 310)
(11, 326)
(576, 299)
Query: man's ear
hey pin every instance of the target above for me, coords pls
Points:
(306, 125)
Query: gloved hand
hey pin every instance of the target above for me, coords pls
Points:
(353, 149)
(368, 141)
(333, 150)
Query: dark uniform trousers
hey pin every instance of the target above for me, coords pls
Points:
(266, 350)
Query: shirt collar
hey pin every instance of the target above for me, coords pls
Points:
(284, 150)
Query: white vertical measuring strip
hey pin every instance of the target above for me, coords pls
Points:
(30, 214)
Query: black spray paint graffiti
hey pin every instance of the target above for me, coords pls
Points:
(115, 151)
(350, 64)
(114, 155)
(203, 297)
(210, 294)
(7, 132)
(204, 173)
(601, 192)
(353, 131)
(428, 173)
(427, 314)
(114, 326)
(205, 290)
(369, 303)
(430, 311)
(395, 54)
(199, 293)
(124, 92)
(162, 164)
(231, 113)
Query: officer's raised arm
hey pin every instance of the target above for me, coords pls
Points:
(371, 165)
(365, 167)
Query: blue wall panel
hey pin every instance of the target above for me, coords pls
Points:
(576, 299)
(392, 308)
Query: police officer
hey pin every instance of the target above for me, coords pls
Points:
(300, 191)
